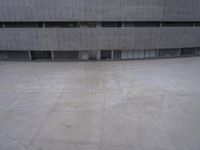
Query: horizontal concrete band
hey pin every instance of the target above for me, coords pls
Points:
(99, 10)
(99, 38)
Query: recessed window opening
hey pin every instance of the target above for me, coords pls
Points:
(168, 52)
(177, 24)
(109, 24)
(129, 24)
(1, 25)
(187, 51)
(197, 24)
(88, 24)
(66, 55)
(40, 55)
(106, 54)
(61, 24)
(23, 24)
(147, 24)
(117, 54)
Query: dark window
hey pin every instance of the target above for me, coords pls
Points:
(88, 24)
(40, 55)
(198, 51)
(147, 24)
(117, 54)
(61, 24)
(14, 55)
(177, 24)
(106, 54)
(70, 55)
(1, 25)
(2, 55)
(197, 24)
(168, 52)
(187, 51)
(109, 24)
(119, 24)
(129, 24)
(23, 24)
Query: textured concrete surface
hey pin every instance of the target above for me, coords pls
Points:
(124, 105)
(98, 10)
(99, 38)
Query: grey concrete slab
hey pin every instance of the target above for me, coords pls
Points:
(107, 105)
(73, 39)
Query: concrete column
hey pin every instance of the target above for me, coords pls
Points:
(29, 55)
(52, 55)
(157, 52)
(43, 25)
(98, 24)
(98, 55)
(179, 52)
(112, 54)
(3, 25)
(161, 24)
(122, 24)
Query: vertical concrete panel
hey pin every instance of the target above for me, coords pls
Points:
(3, 37)
(169, 38)
(88, 10)
(74, 40)
(47, 39)
(197, 15)
(63, 39)
(98, 39)
(180, 10)
(146, 38)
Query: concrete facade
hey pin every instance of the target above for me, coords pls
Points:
(82, 39)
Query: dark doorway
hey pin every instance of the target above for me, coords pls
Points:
(106, 54)
(35, 55)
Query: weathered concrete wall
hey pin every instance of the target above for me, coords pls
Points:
(98, 38)
(98, 10)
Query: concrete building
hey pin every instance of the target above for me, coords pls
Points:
(98, 29)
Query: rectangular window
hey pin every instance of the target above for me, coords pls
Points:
(1, 25)
(147, 24)
(119, 24)
(129, 24)
(197, 24)
(14, 55)
(40, 55)
(138, 54)
(187, 51)
(177, 24)
(88, 24)
(2, 55)
(198, 51)
(66, 55)
(127, 54)
(168, 52)
(61, 24)
(150, 53)
(106, 54)
(117, 54)
(109, 24)
(23, 24)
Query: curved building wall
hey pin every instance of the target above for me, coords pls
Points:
(98, 38)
